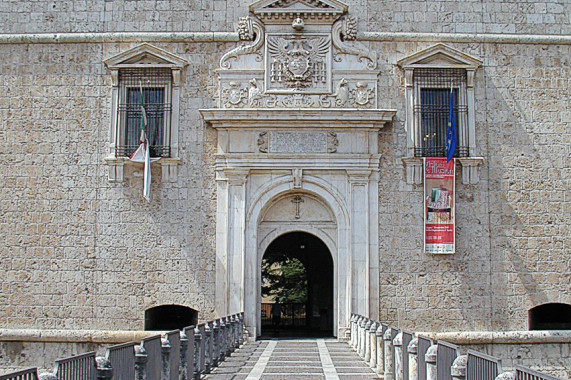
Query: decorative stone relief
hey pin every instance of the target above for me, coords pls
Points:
(247, 29)
(345, 30)
(298, 142)
(362, 95)
(332, 142)
(297, 177)
(234, 95)
(298, 62)
(263, 142)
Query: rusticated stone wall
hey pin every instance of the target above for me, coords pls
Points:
(79, 252)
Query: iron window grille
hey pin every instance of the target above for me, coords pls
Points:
(156, 86)
(432, 107)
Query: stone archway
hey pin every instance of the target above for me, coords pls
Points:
(300, 267)
(301, 211)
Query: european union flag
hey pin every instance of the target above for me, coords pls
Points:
(451, 130)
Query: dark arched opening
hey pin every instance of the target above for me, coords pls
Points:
(550, 316)
(170, 317)
(297, 287)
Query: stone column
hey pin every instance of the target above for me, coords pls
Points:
(458, 369)
(368, 340)
(501, 376)
(141, 359)
(430, 360)
(183, 364)
(353, 334)
(413, 359)
(398, 365)
(230, 243)
(388, 350)
(198, 353)
(165, 356)
(380, 350)
(216, 342)
(359, 196)
(207, 348)
(222, 339)
(104, 369)
(373, 337)
(362, 337)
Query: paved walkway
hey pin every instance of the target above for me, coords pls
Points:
(304, 359)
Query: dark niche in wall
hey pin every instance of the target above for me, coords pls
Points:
(170, 317)
(550, 316)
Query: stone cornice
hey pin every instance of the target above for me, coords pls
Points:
(306, 162)
(200, 37)
(251, 117)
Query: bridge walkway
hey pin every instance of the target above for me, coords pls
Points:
(303, 359)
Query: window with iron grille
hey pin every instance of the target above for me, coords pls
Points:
(155, 84)
(432, 108)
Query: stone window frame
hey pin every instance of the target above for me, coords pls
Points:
(440, 57)
(144, 56)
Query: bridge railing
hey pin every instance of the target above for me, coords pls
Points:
(179, 355)
(28, 374)
(400, 355)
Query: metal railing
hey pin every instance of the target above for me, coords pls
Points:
(480, 366)
(122, 360)
(400, 355)
(77, 367)
(28, 374)
(179, 355)
(524, 373)
(446, 353)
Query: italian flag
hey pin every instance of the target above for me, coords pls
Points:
(143, 152)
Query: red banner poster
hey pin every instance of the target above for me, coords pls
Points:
(439, 203)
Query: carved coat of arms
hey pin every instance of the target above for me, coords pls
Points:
(298, 62)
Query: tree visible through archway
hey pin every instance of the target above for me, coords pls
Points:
(297, 287)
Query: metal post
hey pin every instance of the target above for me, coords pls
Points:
(388, 349)
(430, 360)
(398, 365)
(380, 351)
(413, 359)
(458, 369)
(104, 368)
(140, 363)
(165, 355)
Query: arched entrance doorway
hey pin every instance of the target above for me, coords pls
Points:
(297, 287)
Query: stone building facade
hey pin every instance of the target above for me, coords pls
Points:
(83, 250)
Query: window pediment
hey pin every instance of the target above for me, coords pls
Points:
(145, 55)
(440, 56)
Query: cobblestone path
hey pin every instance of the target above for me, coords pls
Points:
(294, 359)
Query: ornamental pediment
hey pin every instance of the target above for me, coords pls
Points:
(284, 10)
(145, 55)
(440, 56)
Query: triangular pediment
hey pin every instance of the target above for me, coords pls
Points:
(145, 55)
(440, 56)
(269, 8)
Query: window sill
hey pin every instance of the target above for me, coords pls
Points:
(470, 170)
(116, 166)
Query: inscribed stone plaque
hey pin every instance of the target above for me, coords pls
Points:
(298, 142)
